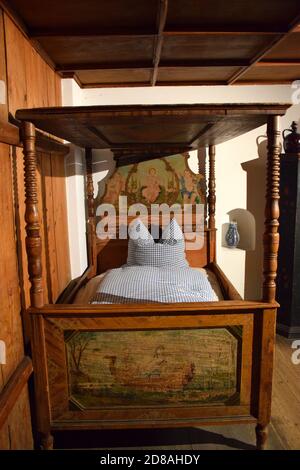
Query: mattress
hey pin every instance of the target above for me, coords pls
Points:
(88, 291)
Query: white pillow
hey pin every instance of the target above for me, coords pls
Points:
(171, 234)
(168, 253)
(139, 236)
(138, 231)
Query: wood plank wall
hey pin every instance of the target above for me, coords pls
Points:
(30, 82)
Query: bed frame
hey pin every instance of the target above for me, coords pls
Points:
(241, 331)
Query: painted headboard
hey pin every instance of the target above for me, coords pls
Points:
(162, 180)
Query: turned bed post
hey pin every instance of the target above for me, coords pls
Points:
(201, 154)
(34, 253)
(91, 223)
(271, 234)
(33, 238)
(267, 320)
(211, 199)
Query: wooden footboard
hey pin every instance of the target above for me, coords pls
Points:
(152, 365)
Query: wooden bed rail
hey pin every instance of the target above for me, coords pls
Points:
(152, 309)
(10, 134)
(12, 390)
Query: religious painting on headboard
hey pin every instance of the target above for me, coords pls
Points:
(162, 180)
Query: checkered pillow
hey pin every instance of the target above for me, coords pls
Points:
(139, 236)
(172, 234)
(145, 252)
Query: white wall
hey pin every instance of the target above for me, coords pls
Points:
(75, 171)
(232, 189)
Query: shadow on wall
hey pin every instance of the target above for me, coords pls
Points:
(256, 188)
(102, 162)
(103, 166)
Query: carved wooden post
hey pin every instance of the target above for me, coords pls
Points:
(91, 225)
(271, 235)
(211, 199)
(268, 318)
(212, 187)
(33, 239)
(202, 171)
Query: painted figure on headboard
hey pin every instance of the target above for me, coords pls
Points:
(152, 186)
(188, 187)
(115, 187)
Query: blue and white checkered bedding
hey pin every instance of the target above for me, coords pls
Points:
(138, 284)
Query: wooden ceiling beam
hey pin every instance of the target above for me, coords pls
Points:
(103, 66)
(263, 82)
(201, 31)
(161, 21)
(78, 32)
(115, 85)
(278, 63)
(147, 65)
(185, 83)
(261, 54)
(159, 83)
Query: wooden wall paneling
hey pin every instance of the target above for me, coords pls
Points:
(19, 423)
(49, 233)
(43, 225)
(52, 210)
(31, 82)
(57, 85)
(13, 388)
(51, 80)
(34, 77)
(19, 214)
(11, 326)
(60, 222)
(10, 307)
(16, 69)
(4, 437)
(16, 433)
(53, 222)
(3, 106)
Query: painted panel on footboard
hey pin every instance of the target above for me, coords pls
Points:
(154, 367)
(120, 370)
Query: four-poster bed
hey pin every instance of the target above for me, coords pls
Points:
(238, 332)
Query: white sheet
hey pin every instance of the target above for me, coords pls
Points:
(88, 291)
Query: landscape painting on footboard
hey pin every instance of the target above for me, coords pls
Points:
(153, 367)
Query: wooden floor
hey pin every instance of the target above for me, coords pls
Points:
(284, 431)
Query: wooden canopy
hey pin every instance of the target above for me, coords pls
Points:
(168, 128)
(159, 42)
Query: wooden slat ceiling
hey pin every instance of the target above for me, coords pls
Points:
(105, 43)
(154, 130)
